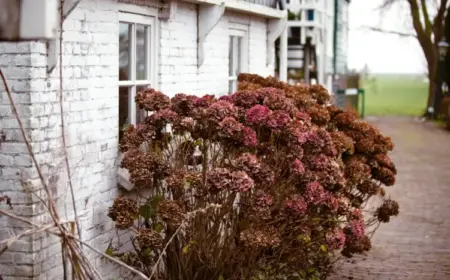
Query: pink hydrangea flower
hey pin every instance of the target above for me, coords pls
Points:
(257, 115)
(278, 120)
(221, 109)
(230, 126)
(297, 167)
(315, 193)
(204, 101)
(262, 199)
(241, 182)
(219, 178)
(335, 239)
(245, 98)
(296, 204)
(357, 228)
(249, 163)
(249, 136)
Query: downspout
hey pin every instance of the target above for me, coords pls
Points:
(335, 30)
(283, 48)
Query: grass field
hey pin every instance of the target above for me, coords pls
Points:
(395, 95)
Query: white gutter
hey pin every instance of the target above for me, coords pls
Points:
(246, 7)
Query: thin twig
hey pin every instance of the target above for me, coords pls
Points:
(61, 110)
(188, 216)
(393, 32)
(140, 274)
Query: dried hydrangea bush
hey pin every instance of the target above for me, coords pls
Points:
(291, 172)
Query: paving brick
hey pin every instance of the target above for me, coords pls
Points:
(414, 245)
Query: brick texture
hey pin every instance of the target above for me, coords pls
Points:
(90, 105)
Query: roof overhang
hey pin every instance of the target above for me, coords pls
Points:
(245, 7)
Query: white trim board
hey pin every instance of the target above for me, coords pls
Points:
(246, 7)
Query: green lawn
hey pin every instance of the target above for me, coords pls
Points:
(395, 95)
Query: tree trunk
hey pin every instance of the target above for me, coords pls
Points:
(431, 85)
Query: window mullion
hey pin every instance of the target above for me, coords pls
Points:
(132, 105)
(148, 55)
(132, 94)
(133, 53)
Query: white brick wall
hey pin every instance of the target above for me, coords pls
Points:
(90, 73)
(178, 52)
(15, 164)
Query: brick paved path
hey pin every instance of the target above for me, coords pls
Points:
(416, 244)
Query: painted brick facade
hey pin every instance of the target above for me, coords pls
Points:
(90, 103)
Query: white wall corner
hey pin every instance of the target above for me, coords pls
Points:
(274, 30)
(168, 11)
(208, 17)
(52, 54)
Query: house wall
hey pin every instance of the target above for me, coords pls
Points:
(16, 62)
(178, 52)
(90, 106)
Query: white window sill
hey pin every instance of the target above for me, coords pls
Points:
(123, 176)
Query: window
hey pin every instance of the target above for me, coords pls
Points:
(237, 57)
(137, 63)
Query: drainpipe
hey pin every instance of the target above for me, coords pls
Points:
(335, 29)
(283, 48)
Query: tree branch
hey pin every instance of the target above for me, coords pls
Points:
(426, 17)
(438, 22)
(381, 30)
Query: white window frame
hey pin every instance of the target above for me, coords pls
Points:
(243, 63)
(145, 16)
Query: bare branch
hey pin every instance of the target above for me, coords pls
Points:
(426, 17)
(438, 22)
(394, 32)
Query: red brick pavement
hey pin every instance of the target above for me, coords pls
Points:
(416, 244)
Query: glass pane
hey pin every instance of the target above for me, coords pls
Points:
(142, 43)
(230, 57)
(124, 119)
(124, 51)
(239, 55)
(232, 87)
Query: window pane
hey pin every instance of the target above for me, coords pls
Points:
(239, 55)
(232, 86)
(142, 43)
(124, 119)
(124, 51)
(140, 114)
(230, 56)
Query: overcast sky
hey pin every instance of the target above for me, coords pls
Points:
(383, 53)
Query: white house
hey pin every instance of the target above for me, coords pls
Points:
(318, 38)
(110, 50)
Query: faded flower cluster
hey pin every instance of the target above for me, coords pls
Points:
(290, 171)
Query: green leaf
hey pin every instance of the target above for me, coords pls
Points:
(302, 274)
(221, 277)
(156, 200)
(198, 142)
(186, 248)
(311, 270)
(147, 252)
(323, 248)
(304, 238)
(158, 227)
(147, 211)
(109, 251)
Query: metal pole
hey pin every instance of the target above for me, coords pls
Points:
(307, 54)
(438, 90)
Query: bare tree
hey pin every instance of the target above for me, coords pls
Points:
(427, 18)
